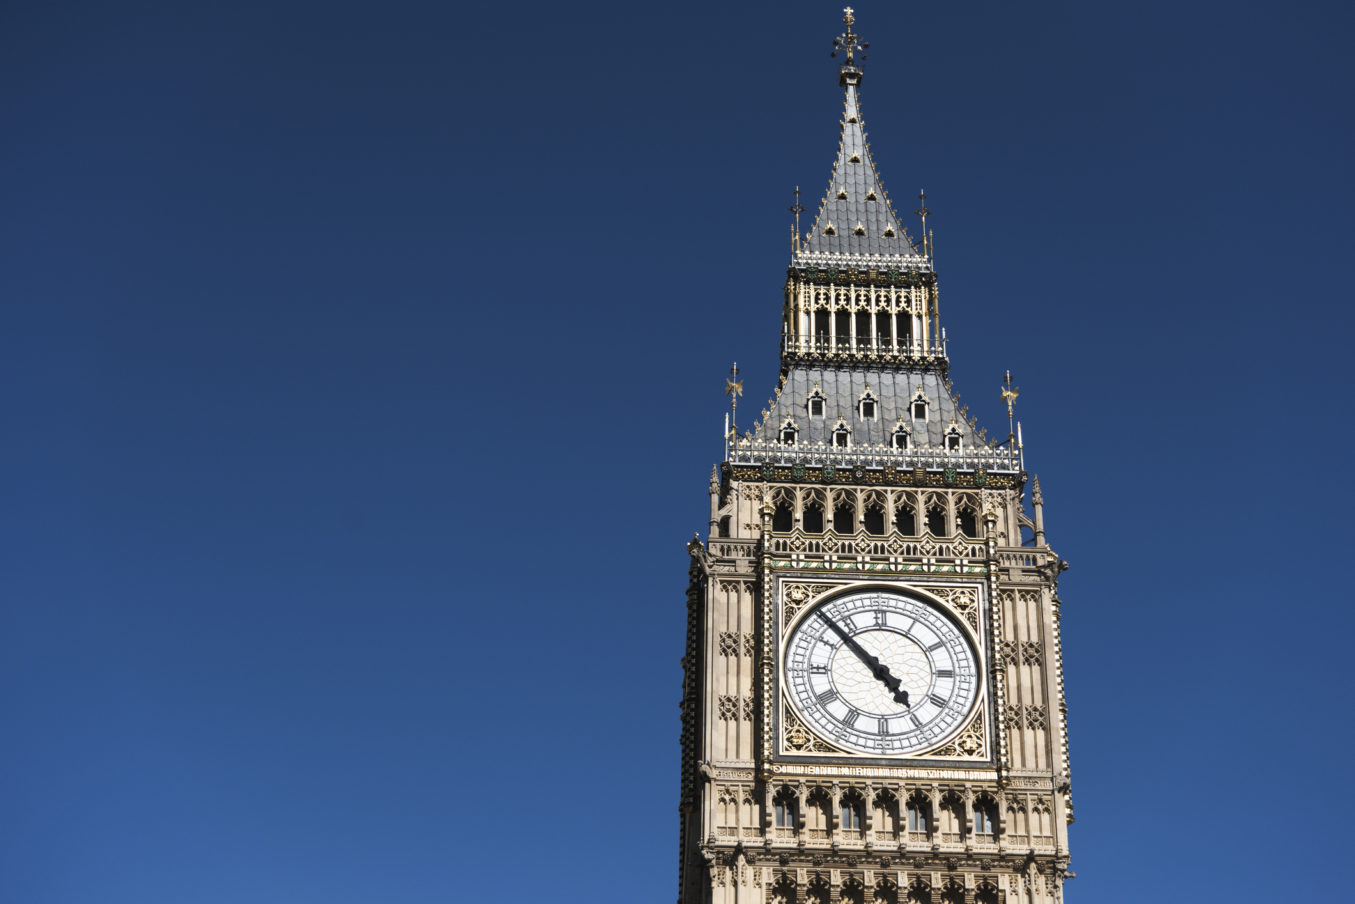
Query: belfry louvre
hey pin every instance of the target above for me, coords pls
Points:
(872, 701)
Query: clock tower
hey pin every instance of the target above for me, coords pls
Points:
(872, 701)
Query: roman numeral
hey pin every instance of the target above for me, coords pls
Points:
(884, 726)
(945, 673)
(936, 646)
(819, 669)
(850, 719)
(937, 700)
(917, 723)
(827, 697)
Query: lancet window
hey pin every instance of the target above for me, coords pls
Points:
(812, 518)
(985, 818)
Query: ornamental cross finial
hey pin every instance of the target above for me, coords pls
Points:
(849, 41)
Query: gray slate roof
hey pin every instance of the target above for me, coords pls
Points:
(842, 389)
(857, 180)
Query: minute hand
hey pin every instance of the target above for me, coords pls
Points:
(877, 668)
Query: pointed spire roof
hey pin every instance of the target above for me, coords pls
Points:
(855, 216)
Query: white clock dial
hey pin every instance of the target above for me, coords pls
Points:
(880, 672)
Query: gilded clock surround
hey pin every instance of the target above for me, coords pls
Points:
(963, 603)
(826, 495)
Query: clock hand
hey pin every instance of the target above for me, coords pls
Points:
(877, 668)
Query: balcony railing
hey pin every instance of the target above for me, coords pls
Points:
(878, 346)
(749, 451)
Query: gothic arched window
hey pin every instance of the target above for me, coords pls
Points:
(967, 519)
(844, 516)
(851, 813)
(905, 519)
(783, 809)
(936, 520)
(919, 815)
(985, 817)
(812, 519)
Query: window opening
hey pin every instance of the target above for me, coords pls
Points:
(936, 521)
(984, 813)
(874, 520)
(842, 326)
(969, 522)
(812, 520)
(783, 519)
(844, 518)
(851, 817)
(905, 519)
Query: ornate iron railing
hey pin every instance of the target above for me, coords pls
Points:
(748, 451)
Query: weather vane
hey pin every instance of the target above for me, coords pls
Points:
(848, 42)
(733, 389)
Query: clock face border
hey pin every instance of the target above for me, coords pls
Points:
(921, 592)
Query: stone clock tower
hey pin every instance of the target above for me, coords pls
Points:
(872, 701)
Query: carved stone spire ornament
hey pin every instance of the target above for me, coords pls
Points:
(873, 661)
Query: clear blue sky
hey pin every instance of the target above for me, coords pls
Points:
(362, 372)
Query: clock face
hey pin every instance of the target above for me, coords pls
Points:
(878, 672)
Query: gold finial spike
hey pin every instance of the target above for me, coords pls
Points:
(797, 208)
(1009, 394)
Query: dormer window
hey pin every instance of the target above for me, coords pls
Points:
(953, 439)
(842, 435)
(900, 438)
(889, 232)
(870, 196)
(859, 230)
(830, 229)
(842, 194)
(919, 406)
(855, 158)
(816, 402)
(868, 405)
(789, 432)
